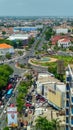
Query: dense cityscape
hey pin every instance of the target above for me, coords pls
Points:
(36, 64)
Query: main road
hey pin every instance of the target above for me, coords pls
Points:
(27, 55)
(19, 71)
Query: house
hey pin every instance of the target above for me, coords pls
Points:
(5, 48)
(54, 39)
(65, 42)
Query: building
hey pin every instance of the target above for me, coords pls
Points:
(61, 30)
(19, 37)
(52, 89)
(54, 39)
(28, 28)
(5, 48)
(65, 42)
(69, 99)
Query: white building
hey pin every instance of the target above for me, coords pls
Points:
(52, 89)
(19, 37)
(61, 30)
(64, 43)
(5, 48)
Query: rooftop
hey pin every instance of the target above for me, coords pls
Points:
(46, 79)
(5, 46)
(64, 40)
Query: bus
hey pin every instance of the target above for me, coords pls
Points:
(9, 93)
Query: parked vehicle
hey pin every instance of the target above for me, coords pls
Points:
(9, 87)
(9, 93)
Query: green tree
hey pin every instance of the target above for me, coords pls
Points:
(5, 72)
(29, 76)
(3, 32)
(20, 53)
(44, 47)
(6, 128)
(56, 123)
(20, 102)
(43, 124)
(49, 32)
(30, 42)
(22, 89)
(8, 55)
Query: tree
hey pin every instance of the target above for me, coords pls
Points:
(44, 47)
(56, 123)
(49, 32)
(8, 55)
(6, 128)
(20, 102)
(30, 42)
(3, 32)
(20, 53)
(29, 76)
(43, 124)
(5, 72)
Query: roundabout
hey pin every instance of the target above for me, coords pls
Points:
(43, 62)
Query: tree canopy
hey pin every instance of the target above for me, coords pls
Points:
(43, 124)
(5, 72)
(49, 32)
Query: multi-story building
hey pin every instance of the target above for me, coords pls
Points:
(52, 89)
(69, 99)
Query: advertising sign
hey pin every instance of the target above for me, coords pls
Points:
(12, 116)
(60, 67)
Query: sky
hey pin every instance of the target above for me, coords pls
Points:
(36, 7)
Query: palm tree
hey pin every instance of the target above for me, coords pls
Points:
(43, 124)
(56, 123)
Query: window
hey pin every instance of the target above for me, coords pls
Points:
(72, 110)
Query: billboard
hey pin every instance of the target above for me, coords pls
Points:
(60, 67)
(12, 116)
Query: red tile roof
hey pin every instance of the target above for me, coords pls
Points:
(55, 39)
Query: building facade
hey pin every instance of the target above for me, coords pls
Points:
(65, 43)
(5, 48)
(51, 89)
(69, 99)
(62, 30)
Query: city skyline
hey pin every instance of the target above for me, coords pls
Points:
(36, 8)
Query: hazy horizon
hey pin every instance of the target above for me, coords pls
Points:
(36, 8)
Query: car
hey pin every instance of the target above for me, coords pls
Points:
(28, 104)
(0, 102)
(8, 104)
(9, 87)
(26, 114)
(1, 106)
(32, 107)
(42, 99)
(4, 111)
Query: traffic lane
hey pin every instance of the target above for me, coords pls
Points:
(17, 70)
(39, 68)
(11, 99)
(5, 100)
